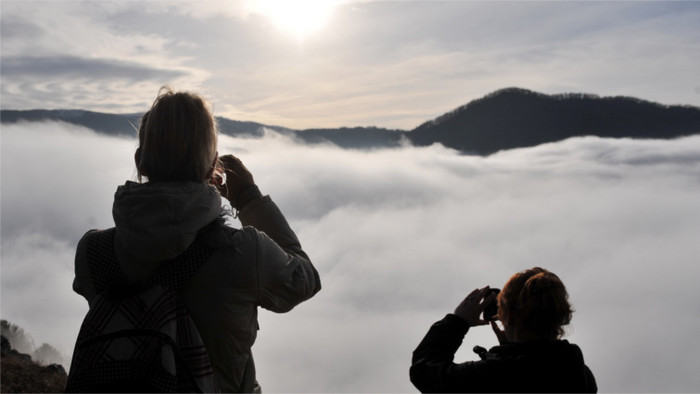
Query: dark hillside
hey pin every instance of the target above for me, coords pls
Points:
(506, 119)
(126, 124)
(22, 375)
(512, 118)
(101, 122)
(116, 124)
(355, 137)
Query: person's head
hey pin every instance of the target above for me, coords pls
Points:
(535, 303)
(177, 139)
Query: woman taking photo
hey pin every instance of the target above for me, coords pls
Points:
(259, 265)
(532, 357)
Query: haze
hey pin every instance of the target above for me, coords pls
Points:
(399, 237)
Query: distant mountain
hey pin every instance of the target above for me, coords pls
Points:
(514, 118)
(505, 119)
(114, 124)
(127, 125)
(355, 137)
(98, 121)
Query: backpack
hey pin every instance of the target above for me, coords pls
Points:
(140, 337)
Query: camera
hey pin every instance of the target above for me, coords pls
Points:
(491, 309)
(219, 176)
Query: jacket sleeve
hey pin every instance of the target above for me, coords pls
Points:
(591, 385)
(432, 368)
(286, 276)
(82, 283)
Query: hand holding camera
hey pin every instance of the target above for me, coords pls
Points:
(478, 302)
(236, 178)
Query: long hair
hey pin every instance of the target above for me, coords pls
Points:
(537, 302)
(177, 139)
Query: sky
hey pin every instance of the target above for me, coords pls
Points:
(399, 237)
(326, 63)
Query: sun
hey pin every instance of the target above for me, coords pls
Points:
(300, 18)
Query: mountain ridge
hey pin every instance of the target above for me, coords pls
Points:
(504, 119)
(513, 118)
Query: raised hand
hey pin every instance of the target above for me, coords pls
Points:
(473, 305)
(238, 178)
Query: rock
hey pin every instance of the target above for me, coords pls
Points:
(5, 347)
(57, 369)
(21, 375)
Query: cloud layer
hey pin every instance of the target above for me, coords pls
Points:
(399, 237)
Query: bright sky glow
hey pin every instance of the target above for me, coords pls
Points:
(300, 18)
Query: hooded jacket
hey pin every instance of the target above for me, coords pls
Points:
(261, 264)
(548, 366)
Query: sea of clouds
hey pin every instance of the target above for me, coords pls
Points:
(399, 237)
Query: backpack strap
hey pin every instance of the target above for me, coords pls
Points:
(102, 261)
(107, 274)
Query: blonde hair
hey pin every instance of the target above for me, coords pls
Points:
(177, 138)
(537, 302)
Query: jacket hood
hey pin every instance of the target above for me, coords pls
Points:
(159, 221)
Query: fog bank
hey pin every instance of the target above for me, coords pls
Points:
(399, 237)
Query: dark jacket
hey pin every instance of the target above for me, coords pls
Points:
(553, 366)
(260, 265)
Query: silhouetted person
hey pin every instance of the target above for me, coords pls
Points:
(533, 308)
(260, 265)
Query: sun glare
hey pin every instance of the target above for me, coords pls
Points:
(299, 17)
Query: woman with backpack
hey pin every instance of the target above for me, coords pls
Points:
(179, 209)
(533, 308)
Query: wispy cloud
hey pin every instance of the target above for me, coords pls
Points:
(80, 69)
(391, 64)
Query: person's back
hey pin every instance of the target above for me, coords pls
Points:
(261, 264)
(549, 366)
(530, 358)
(531, 367)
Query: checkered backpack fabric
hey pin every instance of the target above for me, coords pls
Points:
(140, 337)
